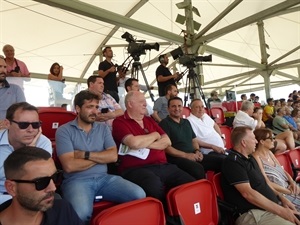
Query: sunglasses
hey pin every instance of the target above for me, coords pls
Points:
(25, 125)
(43, 182)
(271, 138)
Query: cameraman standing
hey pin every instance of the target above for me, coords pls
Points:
(163, 75)
(15, 68)
(108, 71)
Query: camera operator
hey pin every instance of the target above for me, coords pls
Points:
(15, 68)
(108, 71)
(163, 75)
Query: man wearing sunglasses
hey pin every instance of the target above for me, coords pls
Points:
(30, 180)
(24, 129)
(9, 93)
(84, 148)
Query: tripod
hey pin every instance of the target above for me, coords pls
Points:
(136, 67)
(193, 84)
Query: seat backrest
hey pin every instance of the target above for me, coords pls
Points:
(143, 211)
(217, 184)
(294, 156)
(218, 115)
(226, 132)
(194, 203)
(186, 111)
(52, 118)
(285, 162)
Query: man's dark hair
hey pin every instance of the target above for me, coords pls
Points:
(174, 98)
(84, 95)
(14, 163)
(104, 50)
(169, 88)
(24, 106)
(129, 82)
(92, 79)
(161, 57)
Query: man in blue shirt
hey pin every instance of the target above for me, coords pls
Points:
(84, 148)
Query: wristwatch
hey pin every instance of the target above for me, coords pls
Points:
(86, 155)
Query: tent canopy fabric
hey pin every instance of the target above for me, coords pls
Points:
(251, 42)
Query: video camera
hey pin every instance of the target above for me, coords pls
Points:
(138, 47)
(189, 60)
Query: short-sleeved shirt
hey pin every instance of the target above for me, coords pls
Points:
(110, 80)
(6, 149)
(181, 134)
(23, 68)
(278, 121)
(291, 120)
(124, 126)
(9, 94)
(70, 137)
(161, 106)
(205, 131)
(108, 102)
(243, 119)
(267, 110)
(237, 169)
(61, 213)
(164, 71)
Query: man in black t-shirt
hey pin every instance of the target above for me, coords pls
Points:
(245, 186)
(30, 175)
(108, 71)
(163, 75)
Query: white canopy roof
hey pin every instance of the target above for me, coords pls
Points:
(251, 41)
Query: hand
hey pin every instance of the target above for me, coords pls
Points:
(218, 149)
(191, 156)
(61, 68)
(3, 124)
(176, 75)
(112, 69)
(33, 143)
(199, 156)
(289, 215)
(105, 116)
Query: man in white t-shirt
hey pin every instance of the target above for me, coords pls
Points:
(207, 131)
(246, 117)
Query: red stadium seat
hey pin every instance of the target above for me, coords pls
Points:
(52, 118)
(218, 115)
(226, 131)
(143, 211)
(217, 184)
(186, 111)
(286, 163)
(194, 203)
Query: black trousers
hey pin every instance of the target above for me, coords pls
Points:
(156, 180)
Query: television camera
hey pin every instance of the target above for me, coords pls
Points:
(138, 47)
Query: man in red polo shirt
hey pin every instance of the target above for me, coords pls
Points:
(142, 156)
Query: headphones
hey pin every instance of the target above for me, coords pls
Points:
(161, 58)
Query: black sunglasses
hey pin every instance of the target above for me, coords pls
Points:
(24, 125)
(43, 182)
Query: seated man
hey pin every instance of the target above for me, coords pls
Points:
(132, 84)
(245, 186)
(207, 131)
(24, 129)
(268, 114)
(160, 108)
(30, 180)
(252, 117)
(108, 107)
(84, 148)
(185, 150)
(141, 134)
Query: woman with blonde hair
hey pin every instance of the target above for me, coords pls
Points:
(275, 175)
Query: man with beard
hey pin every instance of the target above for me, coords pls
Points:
(30, 178)
(9, 93)
(160, 108)
(24, 129)
(163, 75)
(84, 148)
